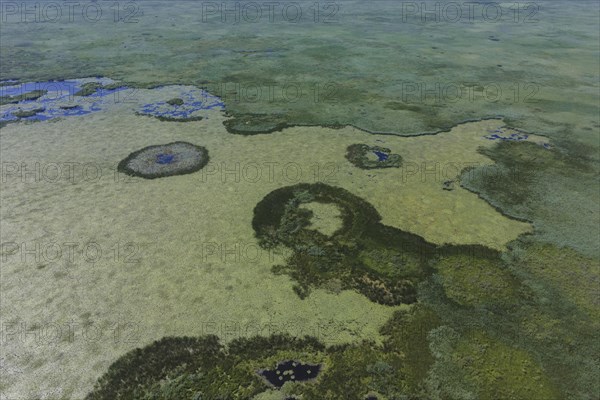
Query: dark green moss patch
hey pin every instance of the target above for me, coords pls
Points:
(371, 157)
(33, 95)
(131, 375)
(253, 124)
(500, 371)
(88, 89)
(28, 113)
(476, 276)
(166, 118)
(406, 336)
(403, 366)
(381, 262)
(175, 102)
(70, 106)
(555, 188)
(114, 85)
(185, 368)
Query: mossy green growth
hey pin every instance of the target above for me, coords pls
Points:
(555, 188)
(28, 113)
(114, 85)
(474, 279)
(131, 375)
(253, 124)
(371, 157)
(181, 368)
(216, 383)
(89, 89)
(500, 371)
(574, 276)
(175, 102)
(406, 336)
(383, 263)
(33, 95)
(352, 371)
(166, 118)
(189, 368)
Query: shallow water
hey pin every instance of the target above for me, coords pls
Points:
(96, 263)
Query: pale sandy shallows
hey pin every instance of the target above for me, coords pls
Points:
(76, 302)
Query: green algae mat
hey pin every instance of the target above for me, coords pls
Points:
(299, 200)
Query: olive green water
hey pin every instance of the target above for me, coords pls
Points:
(355, 63)
(526, 330)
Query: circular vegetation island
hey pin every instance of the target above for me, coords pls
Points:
(383, 263)
(158, 161)
(371, 157)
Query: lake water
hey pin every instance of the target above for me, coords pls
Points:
(411, 185)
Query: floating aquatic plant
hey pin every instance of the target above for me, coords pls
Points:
(190, 105)
(41, 101)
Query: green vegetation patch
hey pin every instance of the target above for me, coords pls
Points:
(383, 263)
(33, 95)
(500, 371)
(201, 368)
(166, 118)
(555, 188)
(475, 366)
(175, 102)
(131, 375)
(89, 88)
(253, 124)
(28, 113)
(471, 278)
(574, 276)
